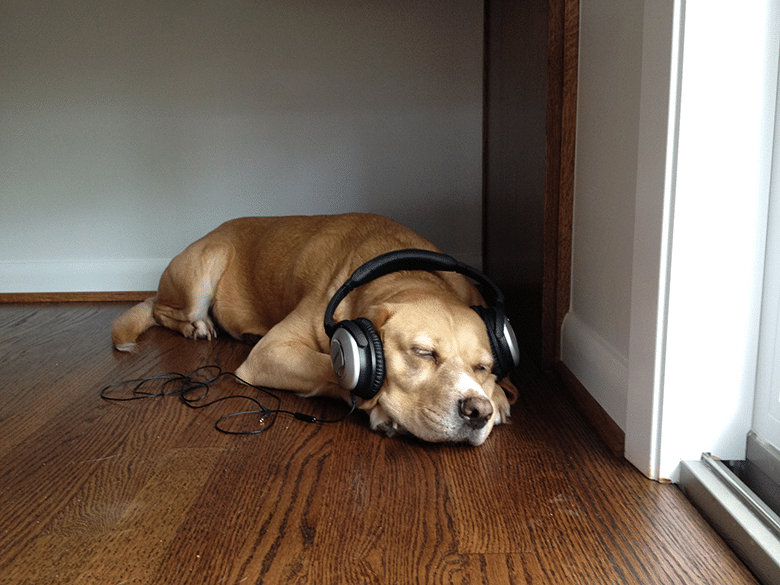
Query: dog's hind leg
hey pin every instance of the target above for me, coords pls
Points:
(187, 289)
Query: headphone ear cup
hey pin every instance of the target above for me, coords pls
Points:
(357, 357)
(375, 375)
(502, 340)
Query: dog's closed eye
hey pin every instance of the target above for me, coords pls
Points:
(426, 354)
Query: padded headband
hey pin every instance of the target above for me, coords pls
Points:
(411, 259)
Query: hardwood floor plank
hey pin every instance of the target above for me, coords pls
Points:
(146, 533)
(249, 523)
(149, 492)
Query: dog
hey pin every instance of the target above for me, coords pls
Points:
(351, 306)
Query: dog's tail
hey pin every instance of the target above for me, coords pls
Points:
(130, 324)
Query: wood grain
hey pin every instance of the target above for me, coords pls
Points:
(606, 428)
(552, 187)
(149, 492)
(571, 37)
(563, 50)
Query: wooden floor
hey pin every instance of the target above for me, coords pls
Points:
(148, 492)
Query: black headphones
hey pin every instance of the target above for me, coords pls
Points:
(355, 347)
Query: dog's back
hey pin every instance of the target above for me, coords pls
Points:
(251, 272)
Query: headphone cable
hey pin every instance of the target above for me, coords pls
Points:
(186, 384)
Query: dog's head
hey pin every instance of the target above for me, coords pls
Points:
(438, 383)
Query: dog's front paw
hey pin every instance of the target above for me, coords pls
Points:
(382, 423)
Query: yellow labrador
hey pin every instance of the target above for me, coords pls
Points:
(407, 334)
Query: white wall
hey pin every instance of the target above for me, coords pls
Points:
(129, 129)
(595, 335)
(692, 366)
(672, 180)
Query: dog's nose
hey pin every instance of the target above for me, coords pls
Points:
(476, 411)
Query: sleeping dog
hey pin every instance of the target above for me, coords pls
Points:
(350, 306)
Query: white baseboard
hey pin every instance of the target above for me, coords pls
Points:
(81, 275)
(597, 365)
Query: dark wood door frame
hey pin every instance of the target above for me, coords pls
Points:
(563, 54)
(563, 42)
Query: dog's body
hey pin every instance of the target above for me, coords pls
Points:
(274, 277)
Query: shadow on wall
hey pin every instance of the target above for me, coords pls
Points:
(136, 128)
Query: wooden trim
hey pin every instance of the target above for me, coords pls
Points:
(485, 125)
(559, 185)
(571, 42)
(76, 297)
(550, 333)
(606, 428)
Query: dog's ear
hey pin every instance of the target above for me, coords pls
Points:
(509, 389)
(378, 317)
